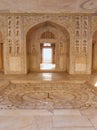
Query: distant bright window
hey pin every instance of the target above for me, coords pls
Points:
(47, 55)
(47, 44)
(95, 84)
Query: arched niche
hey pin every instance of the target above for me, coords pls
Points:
(58, 36)
(94, 52)
(1, 52)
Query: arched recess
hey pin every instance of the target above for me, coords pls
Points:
(1, 52)
(94, 52)
(57, 36)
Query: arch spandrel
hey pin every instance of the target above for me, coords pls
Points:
(30, 23)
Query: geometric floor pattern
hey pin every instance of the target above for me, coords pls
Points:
(49, 95)
(48, 101)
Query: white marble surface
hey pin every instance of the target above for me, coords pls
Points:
(60, 119)
(69, 121)
(15, 64)
(42, 6)
(83, 128)
(45, 120)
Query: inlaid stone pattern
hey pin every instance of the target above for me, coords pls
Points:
(14, 35)
(10, 35)
(17, 35)
(48, 96)
(82, 33)
(81, 43)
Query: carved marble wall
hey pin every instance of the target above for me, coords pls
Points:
(80, 29)
(14, 44)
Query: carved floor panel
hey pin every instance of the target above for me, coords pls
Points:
(48, 96)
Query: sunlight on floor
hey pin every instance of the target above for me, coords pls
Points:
(95, 84)
(47, 66)
(47, 76)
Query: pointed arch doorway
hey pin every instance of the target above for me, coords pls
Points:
(48, 47)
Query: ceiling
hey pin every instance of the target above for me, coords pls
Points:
(48, 6)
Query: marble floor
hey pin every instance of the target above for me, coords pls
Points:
(44, 76)
(48, 101)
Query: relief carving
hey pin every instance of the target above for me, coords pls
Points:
(78, 26)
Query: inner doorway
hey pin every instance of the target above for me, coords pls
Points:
(47, 56)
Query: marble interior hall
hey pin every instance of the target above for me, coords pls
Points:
(48, 65)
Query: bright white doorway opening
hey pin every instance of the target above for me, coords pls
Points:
(47, 57)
